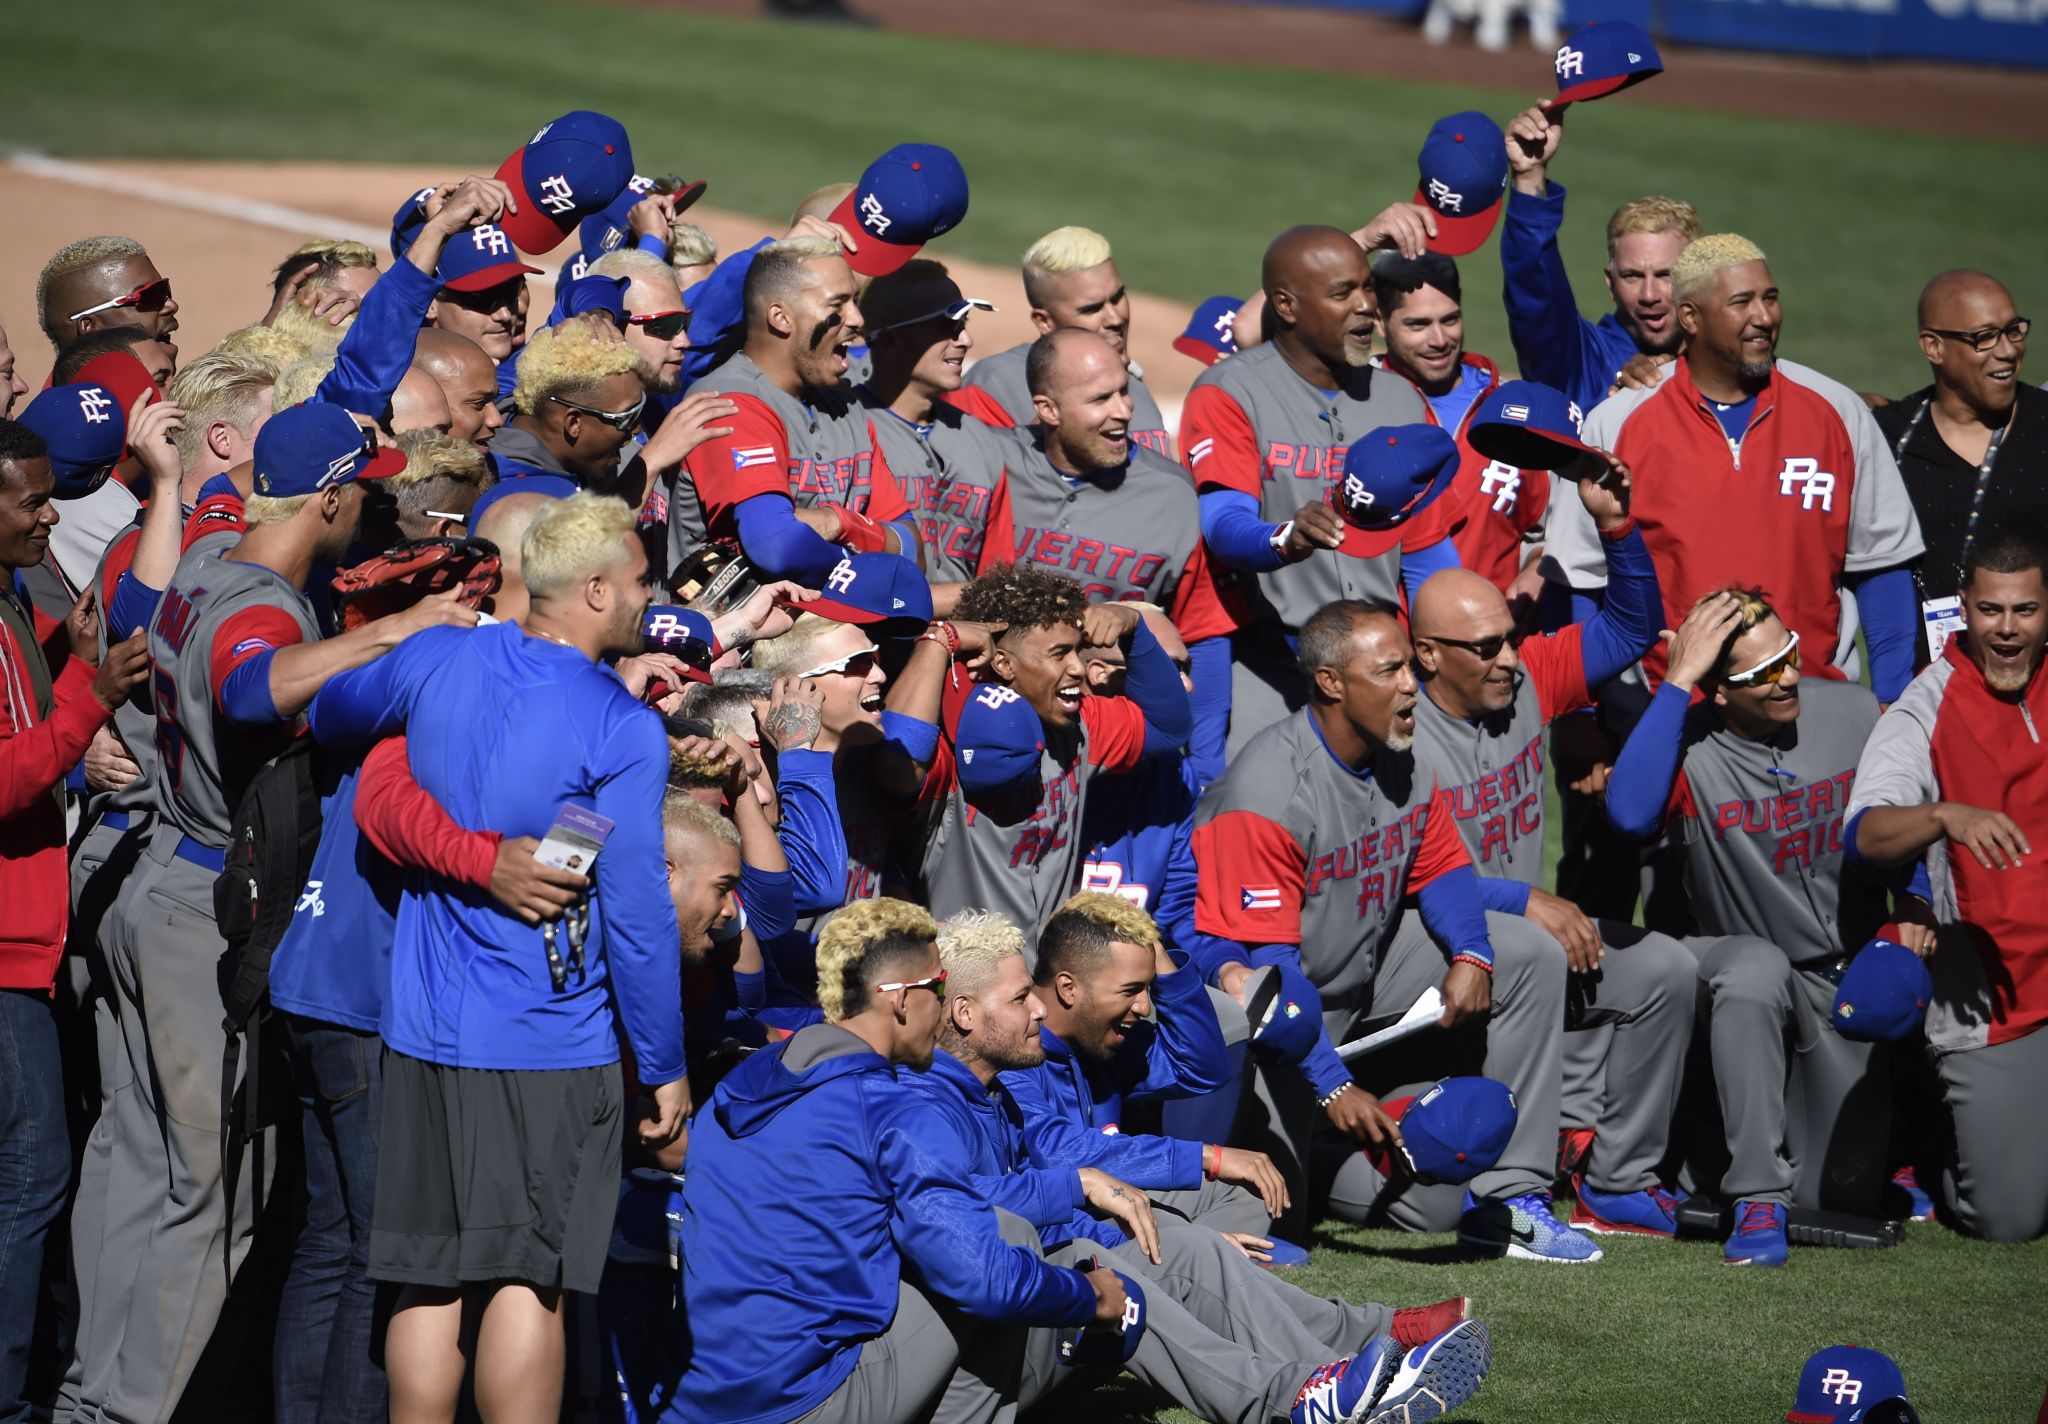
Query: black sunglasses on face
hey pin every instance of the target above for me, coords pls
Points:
(621, 420)
(1486, 649)
(662, 326)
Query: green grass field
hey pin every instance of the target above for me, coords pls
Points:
(1190, 168)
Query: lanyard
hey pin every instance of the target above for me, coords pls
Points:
(1983, 469)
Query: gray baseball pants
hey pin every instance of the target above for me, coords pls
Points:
(1997, 1096)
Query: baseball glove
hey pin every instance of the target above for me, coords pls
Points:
(395, 580)
(714, 577)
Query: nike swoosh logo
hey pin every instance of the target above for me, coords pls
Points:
(1525, 1235)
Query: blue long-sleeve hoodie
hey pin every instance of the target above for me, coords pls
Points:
(1553, 343)
(811, 1189)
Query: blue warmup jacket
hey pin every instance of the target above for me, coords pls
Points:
(1141, 839)
(504, 730)
(811, 1190)
(378, 346)
(1553, 343)
(334, 962)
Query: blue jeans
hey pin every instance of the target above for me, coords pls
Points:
(35, 1172)
(325, 1363)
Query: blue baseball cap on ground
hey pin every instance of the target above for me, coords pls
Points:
(478, 259)
(580, 296)
(1528, 425)
(998, 740)
(904, 199)
(1285, 1010)
(1883, 994)
(1604, 58)
(306, 448)
(1841, 1382)
(1211, 335)
(884, 593)
(1113, 1347)
(1455, 1129)
(571, 168)
(1464, 177)
(1391, 474)
(86, 430)
(684, 635)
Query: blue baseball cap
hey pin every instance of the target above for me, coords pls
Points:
(478, 259)
(1841, 1382)
(1285, 1010)
(649, 1218)
(884, 593)
(407, 222)
(87, 432)
(305, 448)
(684, 635)
(1211, 335)
(1085, 1348)
(1391, 475)
(612, 228)
(907, 197)
(571, 168)
(1464, 168)
(1455, 1129)
(998, 740)
(580, 296)
(1528, 425)
(1883, 995)
(1603, 58)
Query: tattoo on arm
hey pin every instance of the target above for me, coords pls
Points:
(792, 724)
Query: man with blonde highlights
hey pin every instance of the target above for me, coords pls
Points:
(577, 401)
(104, 281)
(887, 1288)
(1072, 283)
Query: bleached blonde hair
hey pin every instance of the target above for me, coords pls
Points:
(569, 361)
(572, 539)
(297, 382)
(1063, 250)
(315, 333)
(228, 386)
(850, 936)
(788, 651)
(78, 256)
(681, 816)
(264, 343)
(333, 254)
(1652, 214)
(632, 264)
(1706, 258)
(971, 944)
(434, 454)
(689, 245)
(271, 509)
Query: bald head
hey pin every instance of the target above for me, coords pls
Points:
(1947, 301)
(1081, 393)
(1318, 285)
(1068, 357)
(1960, 310)
(1301, 256)
(418, 403)
(504, 524)
(1452, 601)
(1462, 626)
(468, 379)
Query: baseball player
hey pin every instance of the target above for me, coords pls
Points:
(1265, 434)
(99, 282)
(797, 480)
(1480, 734)
(947, 463)
(1754, 782)
(1071, 281)
(1954, 771)
(1308, 847)
(1553, 343)
(238, 655)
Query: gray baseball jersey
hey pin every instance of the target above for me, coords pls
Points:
(1021, 853)
(818, 451)
(1127, 533)
(949, 471)
(1252, 425)
(216, 615)
(1002, 377)
(1759, 825)
(1294, 847)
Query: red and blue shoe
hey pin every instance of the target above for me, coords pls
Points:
(1650, 1212)
(1420, 1324)
(1574, 1146)
(1919, 1205)
(1343, 1391)
(1436, 1378)
(1759, 1235)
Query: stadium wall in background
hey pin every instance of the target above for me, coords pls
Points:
(2005, 32)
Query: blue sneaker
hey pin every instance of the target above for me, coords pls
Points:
(1905, 1187)
(1759, 1235)
(1342, 1391)
(1436, 1378)
(1284, 1255)
(1522, 1228)
(1650, 1212)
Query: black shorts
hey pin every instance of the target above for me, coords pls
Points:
(493, 1175)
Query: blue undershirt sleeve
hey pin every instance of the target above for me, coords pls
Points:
(1416, 567)
(1451, 912)
(1509, 897)
(1639, 788)
(133, 605)
(1626, 626)
(245, 693)
(781, 545)
(1153, 682)
(1234, 532)
(1891, 621)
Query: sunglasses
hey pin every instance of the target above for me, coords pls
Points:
(149, 297)
(1984, 338)
(853, 665)
(662, 326)
(621, 420)
(937, 984)
(954, 312)
(1486, 649)
(1770, 670)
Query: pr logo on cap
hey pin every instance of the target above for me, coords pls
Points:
(904, 199)
(1464, 176)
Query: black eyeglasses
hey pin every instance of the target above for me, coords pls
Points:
(662, 326)
(1984, 338)
(1486, 649)
(621, 420)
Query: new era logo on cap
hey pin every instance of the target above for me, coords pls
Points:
(904, 199)
(884, 593)
(1604, 58)
(1464, 176)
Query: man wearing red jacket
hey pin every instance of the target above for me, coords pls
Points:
(49, 720)
(1957, 771)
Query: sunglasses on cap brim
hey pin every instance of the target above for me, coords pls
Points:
(956, 311)
(1771, 669)
(149, 297)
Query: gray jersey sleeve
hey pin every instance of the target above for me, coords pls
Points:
(1002, 376)
(1884, 531)
(1897, 766)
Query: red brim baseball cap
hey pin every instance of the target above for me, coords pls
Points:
(874, 257)
(1456, 236)
(485, 278)
(388, 461)
(1202, 351)
(125, 376)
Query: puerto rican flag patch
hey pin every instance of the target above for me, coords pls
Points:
(753, 455)
(1259, 897)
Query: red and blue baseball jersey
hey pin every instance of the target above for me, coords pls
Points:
(949, 470)
(997, 391)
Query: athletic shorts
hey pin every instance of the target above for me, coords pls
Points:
(495, 1175)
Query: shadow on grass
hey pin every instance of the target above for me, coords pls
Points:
(1442, 1253)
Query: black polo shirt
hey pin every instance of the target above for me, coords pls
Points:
(1943, 484)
